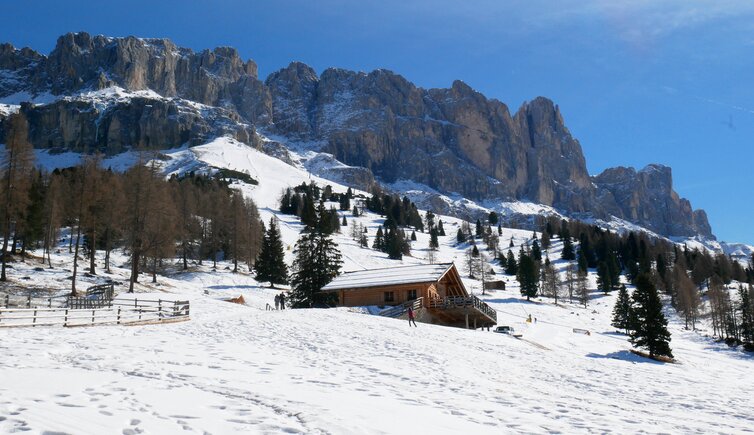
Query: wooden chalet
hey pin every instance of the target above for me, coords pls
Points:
(435, 291)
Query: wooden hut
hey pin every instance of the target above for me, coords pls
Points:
(435, 291)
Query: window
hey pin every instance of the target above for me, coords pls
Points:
(389, 297)
(411, 295)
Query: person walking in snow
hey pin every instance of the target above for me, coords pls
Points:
(411, 317)
(277, 302)
(282, 301)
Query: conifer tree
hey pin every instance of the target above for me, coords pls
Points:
(528, 276)
(433, 241)
(545, 240)
(622, 310)
(379, 240)
(440, 229)
(309, 212)
(511, 267)
(747, 314)
(479, 229)
(460, 236)
(649, 326)
(413, 236)
(271, 265)
(317, 261)
(492, 218)
(603, 277)
(536, 252)
(582, 261)
(568, 253)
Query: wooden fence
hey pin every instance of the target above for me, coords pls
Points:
(119, 312)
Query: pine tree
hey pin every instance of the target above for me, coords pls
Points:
(271, 265)
(479, 229)
(582, 261)
(433, 241)
(511, 267)
(413, 236)
(440, 229)
(317, 261)
(460, 236)
(747, 314)
(650, 326)
(343, 222)
(395, 244)
(379, 240)
(528, 276)
(309, 212)
(622, 310)
(603, 277)
(536, 252)
(492, 218)
(545, 240)
(568, 253)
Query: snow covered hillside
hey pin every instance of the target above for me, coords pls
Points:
(241, 368)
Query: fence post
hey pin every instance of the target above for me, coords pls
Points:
(34, 320)
(28, 301)
(93, 311)
(7, 300)
(159, 309)
(49, 302)
(65, 320)
(118, 321)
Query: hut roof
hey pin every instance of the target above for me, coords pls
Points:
(389, 276)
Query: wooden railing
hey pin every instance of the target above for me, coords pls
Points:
(98, 296)
(120, 311)
(29, 301)
(398, 310)
(463, 301)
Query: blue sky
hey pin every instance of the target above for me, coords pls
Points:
(637, 81)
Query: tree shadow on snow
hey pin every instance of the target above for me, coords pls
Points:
(625, 355)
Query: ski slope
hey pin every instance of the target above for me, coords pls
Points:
(242, 369)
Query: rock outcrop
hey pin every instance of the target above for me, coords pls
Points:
(379, 124)
(647, 198)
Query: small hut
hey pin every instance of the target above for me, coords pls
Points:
(435, 291)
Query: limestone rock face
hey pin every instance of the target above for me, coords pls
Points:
(82, 62)
(82, 126)
(380, 125)
(647, 198)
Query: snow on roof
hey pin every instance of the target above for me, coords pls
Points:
(389, 276)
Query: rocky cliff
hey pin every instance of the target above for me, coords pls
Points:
(453, 140)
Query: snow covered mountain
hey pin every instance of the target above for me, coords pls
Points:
(114, 94)
(241, 368)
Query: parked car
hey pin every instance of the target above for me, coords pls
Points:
(505, 330)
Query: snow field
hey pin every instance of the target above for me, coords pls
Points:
(241, 369)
